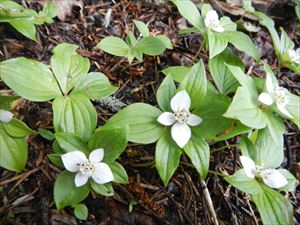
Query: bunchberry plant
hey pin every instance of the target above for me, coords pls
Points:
(76, 161)
(67, 82)
(134, 47)
(180, 119)
(13, 134)
(260, 175)
(24, 19)
(90, 166)
(255, 108)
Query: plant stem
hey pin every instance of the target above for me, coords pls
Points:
(197, 54)
(217, 173)
(223, 147)
(209, 202)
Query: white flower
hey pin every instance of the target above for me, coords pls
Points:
(76, 161)
(271, 177)
(181, 118)
(295, 55)
(275, 94)
(5, 116)
(212, 21)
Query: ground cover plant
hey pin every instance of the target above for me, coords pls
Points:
(200, 125)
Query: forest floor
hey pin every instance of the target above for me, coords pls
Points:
(27, 198)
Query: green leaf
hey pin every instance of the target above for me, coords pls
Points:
(81, 211)
(198, 151)
(245, 80)
(114, 45)
(227, 24)
(17, 128)
(112, 140)
(6, 101)
(65, 191)
(102, 189)
(68, 67)
(95, 85)
(71, 142)
(195, 83)
(56, 160)
(74, 114)
(167, 155)
(223, 78)
(167, 42)
(190, 12)
(120, 175)
(177, 73)
(241, 41)
(276, 126)
(273, 207)
(165, 93)
(47, 134)
(292, 181)
(151, 46)
(131, 39)
(245, 108)
(25, 27)
(30, 79)
(248, 148)
(293, 107)
(216, 44)
(211, 110)
(268, 153)
(142, 27)
(286, 42)
(141, 119)
(13, 151)
(242, 182)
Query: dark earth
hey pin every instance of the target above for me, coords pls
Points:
(27, 198)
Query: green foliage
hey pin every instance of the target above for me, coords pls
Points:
(133, 47)
(24, 19)
(167, 155)
(81, 211)
(65, 191)
(13, 152)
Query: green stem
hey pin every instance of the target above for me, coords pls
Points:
(217, 173)
(198, 53)
(223, 147)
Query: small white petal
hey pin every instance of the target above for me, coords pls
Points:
(5, 116)
(218, 28)
(275, 180)
(181, 101)
(269, 83)
(249, 166)
(210, 16)
(102, 173)
(181, 134)
(96, 155)
(265, 98)
(81, 179)
(194, 120)
(166, 118)
(283, 110)
(72, 160)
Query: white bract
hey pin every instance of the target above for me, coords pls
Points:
(271, 177)
(275, 94)
(76, 161)
(295, 55)
(212, 21)
(5, 116)
(180, 118)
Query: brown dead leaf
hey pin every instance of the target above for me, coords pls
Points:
(64, 7)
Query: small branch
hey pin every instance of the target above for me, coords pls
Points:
(209, 202)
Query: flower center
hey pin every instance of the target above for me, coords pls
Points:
(182, 116)
(263, 173)
(280, 95)
(87, 168)
(212, 23)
